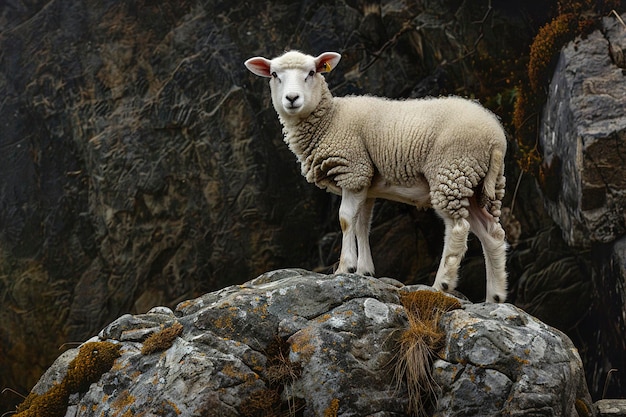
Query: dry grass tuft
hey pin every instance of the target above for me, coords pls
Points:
(420, 342)
(275, 400)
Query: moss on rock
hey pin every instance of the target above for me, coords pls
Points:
(93, 360)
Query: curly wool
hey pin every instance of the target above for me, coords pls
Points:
(447, 153)
(447, 142)
(329, 159)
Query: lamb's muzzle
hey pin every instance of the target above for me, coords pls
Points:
(445, 153)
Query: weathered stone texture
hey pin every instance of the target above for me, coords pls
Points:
(584, 132)
(315, 345)
(499, 360)
(615, 408)
(583, 137)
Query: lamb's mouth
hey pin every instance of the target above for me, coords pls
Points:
(292, 109)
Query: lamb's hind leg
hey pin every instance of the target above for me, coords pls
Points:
(454, 248)
(365, 264)
(492, 237)
(355, 213)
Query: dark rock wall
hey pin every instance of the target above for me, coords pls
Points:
(137, 169)
(583, 137)
(142, 165)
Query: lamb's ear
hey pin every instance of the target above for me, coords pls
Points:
(259, 66)
(327, 61)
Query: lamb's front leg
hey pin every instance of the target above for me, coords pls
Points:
(355, 214)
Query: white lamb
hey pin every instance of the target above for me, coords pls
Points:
(445, 153)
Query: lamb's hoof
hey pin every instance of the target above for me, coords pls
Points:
(497, 298)
(351, 270)
(441, 286)
(368, 274)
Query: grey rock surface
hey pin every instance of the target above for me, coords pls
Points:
(583, 136)
(498, 360)
(298, 342)
(615, 408)
(580, 288)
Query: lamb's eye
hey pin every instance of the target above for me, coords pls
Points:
(311, 73)
(274, 74)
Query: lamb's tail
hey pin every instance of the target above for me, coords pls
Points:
(493, 173)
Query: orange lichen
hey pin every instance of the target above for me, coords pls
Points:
(225, 322)
(185, 304)
(261, 311)
(232, 372)
(122, 401)
(323, 318)
(521, 361)
(166, 408)
(301, 343)
(333, 409)
(172, 406)
(162, 340)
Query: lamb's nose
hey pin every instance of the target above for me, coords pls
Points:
(292, 97)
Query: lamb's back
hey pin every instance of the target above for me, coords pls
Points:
(403, 136)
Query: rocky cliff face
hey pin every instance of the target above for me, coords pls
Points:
(583, 137)
(141, 165)
(306, 344)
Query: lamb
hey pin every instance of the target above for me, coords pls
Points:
(445, 153)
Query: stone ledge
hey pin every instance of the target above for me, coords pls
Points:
(613, 408)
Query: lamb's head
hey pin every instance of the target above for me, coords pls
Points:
(295, 80)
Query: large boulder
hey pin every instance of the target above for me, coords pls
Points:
(308, 344)
(583, 136)
(581, 289)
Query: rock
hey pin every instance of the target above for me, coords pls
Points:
(582, 295)
(555, 285)
(141, 164)
(295, 341)
(615, 408)
(614, 31)
(499, 360)
(583, 136)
